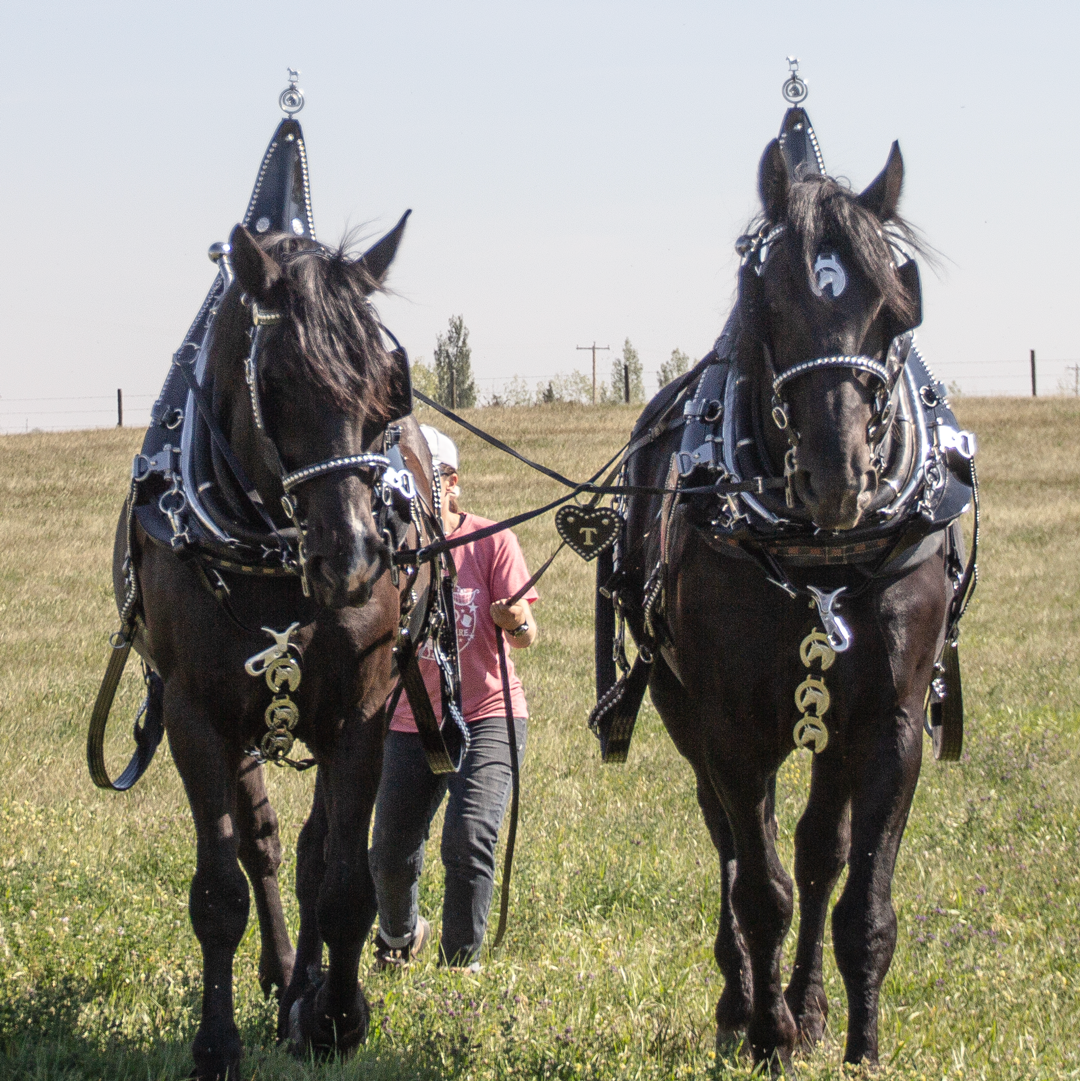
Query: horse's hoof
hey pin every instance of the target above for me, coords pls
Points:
(217, 1052)
(775, 1065)
(732, 1013)
(731, 1045)
(810, 1014)
(312, 1029)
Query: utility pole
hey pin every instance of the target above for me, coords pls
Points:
(593, 348)
(453, 388)
(1075, 369)
(1033, 394)
(119, 408)
(626, 383)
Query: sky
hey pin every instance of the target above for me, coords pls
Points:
(577, 172)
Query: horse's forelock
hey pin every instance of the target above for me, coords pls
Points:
(820, 212)
(335, 335)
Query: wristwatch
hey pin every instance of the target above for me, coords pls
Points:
(517, 632)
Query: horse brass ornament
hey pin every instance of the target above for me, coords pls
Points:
(282, 670)
(588, 530)
(812, 698)
(815, 647)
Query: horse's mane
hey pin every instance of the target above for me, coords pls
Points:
(822, 212)
(331, 327)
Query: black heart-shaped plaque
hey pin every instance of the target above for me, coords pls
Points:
(588, 530)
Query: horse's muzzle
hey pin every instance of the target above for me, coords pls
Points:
(836, 503)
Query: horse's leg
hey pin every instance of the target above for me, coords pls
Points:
(335, 1016)
(729, 949)
(761, 897)
(821, 848)
(260, 853)
(677, 708)
(864, 922)
(310, 868)
(219, 891)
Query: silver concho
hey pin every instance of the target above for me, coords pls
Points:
(829, 276)
(298, 227)
(262, 224)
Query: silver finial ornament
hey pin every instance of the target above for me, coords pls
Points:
(795, 89)
(291, 99)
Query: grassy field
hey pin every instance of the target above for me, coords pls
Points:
(607, 971)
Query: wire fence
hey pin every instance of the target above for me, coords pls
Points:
(74, 412)
(1053, 377)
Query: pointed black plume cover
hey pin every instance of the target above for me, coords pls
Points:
(281, 201)
(799, 145)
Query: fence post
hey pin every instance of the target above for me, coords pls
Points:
(119, 408)
(1033, 394)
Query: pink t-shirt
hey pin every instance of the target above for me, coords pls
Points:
(488, 570)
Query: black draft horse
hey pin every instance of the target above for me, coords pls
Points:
(723, 680)
(326, 387)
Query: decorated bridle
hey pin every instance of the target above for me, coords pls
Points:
(754, 250)
(387, 476)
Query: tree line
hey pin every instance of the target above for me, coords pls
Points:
(449, 379)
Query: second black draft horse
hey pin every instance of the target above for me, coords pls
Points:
(297, 380)
(820, 306)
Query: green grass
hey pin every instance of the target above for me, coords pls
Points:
(607, 971)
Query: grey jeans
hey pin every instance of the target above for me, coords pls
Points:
(409, 796)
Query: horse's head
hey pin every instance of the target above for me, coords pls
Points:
(317, 386)
(822, 300)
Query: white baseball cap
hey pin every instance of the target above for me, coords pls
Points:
(443, 450)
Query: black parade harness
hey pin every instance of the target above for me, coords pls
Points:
(926, 479)
(173, 502)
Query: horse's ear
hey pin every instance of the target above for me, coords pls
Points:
(883, 195)
(773, 182)
(256, 271)
(377, 259)
(401, 399)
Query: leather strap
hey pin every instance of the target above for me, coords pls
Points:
(615, 715)
(515, 786)
(147, 737)
(443, 755)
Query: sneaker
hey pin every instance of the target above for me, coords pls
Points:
(467, 970)
(401, 956)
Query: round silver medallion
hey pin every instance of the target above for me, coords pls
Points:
(298, 227)
(262, 224)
